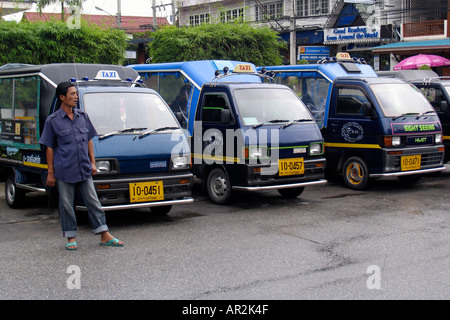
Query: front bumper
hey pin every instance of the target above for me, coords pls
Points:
(114, 193)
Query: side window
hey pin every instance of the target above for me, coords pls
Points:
(350, 101)
(174, 88)
(19, 111)
(212, 106)
(312, 90)
(434, 96)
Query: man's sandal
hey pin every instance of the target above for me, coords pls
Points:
(72, 246)
(113, 242)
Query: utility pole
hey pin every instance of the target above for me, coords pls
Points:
(154, 14)
(119, 14)
(293, 36)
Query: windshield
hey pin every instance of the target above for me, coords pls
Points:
(401, 99)
(114, 111)
(259, 106)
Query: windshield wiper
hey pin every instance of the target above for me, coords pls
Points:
(405, 114)
(143, 134)
(268, 121)
(106, 135)
(424, 113)
(294, 121)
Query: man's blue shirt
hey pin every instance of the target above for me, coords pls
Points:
(69, 140)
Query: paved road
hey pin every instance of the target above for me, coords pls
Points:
(391, 242)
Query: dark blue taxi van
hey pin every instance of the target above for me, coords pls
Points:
(373, 127)
(245, 134)
(141, 151)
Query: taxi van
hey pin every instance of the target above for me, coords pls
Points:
(373, 126)
(244, 134)
(142, 154)
(436, 89)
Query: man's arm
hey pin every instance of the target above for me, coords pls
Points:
(51, 171)
(92, 157)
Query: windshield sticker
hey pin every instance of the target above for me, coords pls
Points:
(352, 131)
(414, 128)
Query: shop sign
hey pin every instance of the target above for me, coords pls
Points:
(313, 53)
(352, 34)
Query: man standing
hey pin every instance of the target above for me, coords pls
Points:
(68, 134)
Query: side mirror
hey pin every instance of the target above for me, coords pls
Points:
(444, 106)
(369, 110)
(225, 116)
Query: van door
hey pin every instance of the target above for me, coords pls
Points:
(352, 135)
(215, 115)
(438, 96)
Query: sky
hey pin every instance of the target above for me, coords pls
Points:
(128, 7)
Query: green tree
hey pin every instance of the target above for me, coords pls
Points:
(231, 41)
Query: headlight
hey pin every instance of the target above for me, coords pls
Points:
(396, 141)
(180, 162)
(255, 153)
(390, 141)
(315, 149)
(103, 166)
(438, 138)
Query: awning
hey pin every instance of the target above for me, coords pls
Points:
(414, 47)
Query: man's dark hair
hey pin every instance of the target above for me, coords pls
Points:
(61, 90)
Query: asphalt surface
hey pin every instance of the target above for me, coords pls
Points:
(390, 242)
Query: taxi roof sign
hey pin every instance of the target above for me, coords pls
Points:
(244, 68)
(343, 56)
(107, 75)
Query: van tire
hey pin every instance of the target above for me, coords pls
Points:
(291, 193)
(218, 186)
(355, 173)
(15, 197)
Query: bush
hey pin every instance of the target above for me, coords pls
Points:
(233, 41)
(54, 42)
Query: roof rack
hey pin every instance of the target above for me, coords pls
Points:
(226, 73)
(428, 80)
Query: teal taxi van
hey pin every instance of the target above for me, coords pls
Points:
(142, 154)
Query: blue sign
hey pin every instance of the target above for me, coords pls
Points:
(313, 53)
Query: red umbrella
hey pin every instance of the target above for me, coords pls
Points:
(415, 62)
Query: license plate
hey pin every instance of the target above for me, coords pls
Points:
(292, 166)
(410, 162)
(146, 191)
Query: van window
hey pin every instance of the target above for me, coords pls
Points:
(312, 91)
(434, 95)
(110, 112)
(174, 88)
(402, 98)
(256, 106)
(350, 101)
(212, 107)
(19, 110)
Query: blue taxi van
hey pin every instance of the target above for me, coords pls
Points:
(142, 154)
(373, 127)
(245, 134)
(436, 89)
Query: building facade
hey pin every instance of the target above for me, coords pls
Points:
(317, 28)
